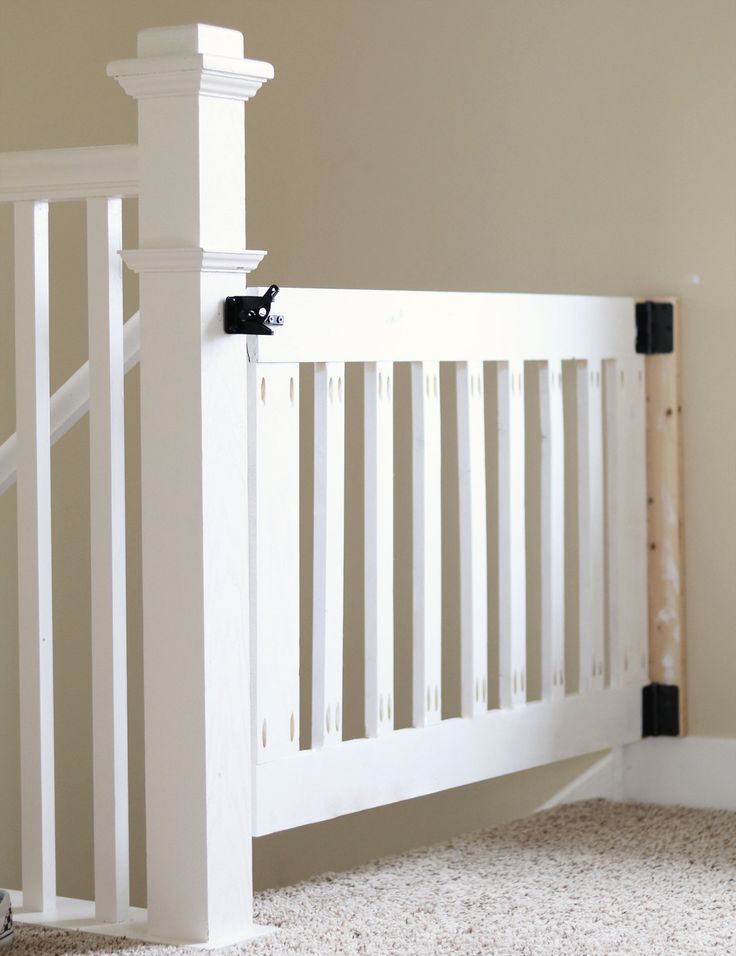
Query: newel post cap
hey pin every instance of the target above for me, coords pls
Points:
(190, 38)
(194, 59)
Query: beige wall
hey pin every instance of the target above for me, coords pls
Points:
(519, 145)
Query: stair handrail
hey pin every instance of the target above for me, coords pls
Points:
(70, 402)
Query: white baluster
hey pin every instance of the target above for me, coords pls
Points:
(627, 521)
(553, 530)
(107, 555)
(473, 538)
(427, 544)
(379, 548)
(511, 534)
(590, 525)
(273, 482)
(329, 550)
(33, 451)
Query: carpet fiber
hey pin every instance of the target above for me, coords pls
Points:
(586, 878)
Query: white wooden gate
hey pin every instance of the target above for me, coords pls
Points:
(221, 541)
(484, 341)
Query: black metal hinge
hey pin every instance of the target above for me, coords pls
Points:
(655, 328)
(660, 710)
(251, 314)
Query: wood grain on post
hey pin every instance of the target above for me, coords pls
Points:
(665, 526)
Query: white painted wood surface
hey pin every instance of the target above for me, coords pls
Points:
(359, 774)
(329, 551)
(273, 492)
(552, 537)
(359, 325)
(70, 401)
(379, 547)
(107, 558)
(473, 538)
(426, 544)
(511, 535)
(196, 443)
(169, 260)
(591, 563)
(627, 520)
(194, 482)
(35, 629)
(65, 174)
(682, 771)
(79, 916)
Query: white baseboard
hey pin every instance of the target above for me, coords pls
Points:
(673, 771)
(684, 771)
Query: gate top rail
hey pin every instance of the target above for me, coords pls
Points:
(359, 325)
(54, 175)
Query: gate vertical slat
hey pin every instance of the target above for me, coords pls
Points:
(329, 552)
(473, 538)
(590, 525)
(427, 544)
(379, 548)
(614, 379)
(33, 451)
(637, 570)
(273, 483)
(511, 534)
(107, 555)
(627, 562)
(552, 530)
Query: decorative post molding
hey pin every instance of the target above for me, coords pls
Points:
(192, 83)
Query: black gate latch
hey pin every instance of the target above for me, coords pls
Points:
(251, 314)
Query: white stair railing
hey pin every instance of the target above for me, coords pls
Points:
(101, 177)
(188, 174)
(56, 175)
(26, 458)
(70, 402)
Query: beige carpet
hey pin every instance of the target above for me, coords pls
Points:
(587, 878)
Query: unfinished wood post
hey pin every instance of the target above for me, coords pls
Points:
(665, 526)
(191, 83)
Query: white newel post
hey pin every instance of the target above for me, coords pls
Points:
(191, 83)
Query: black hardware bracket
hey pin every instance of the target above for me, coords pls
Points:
(660, 710)
(655, 328)
(251, 314)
